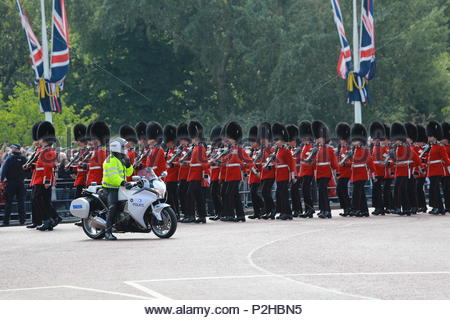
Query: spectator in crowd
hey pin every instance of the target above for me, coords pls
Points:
(14, 175)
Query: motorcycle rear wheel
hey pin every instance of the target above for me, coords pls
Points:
(92, 232)
(167, 227)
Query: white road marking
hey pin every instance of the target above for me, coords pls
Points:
(32, 288)
(149, 291)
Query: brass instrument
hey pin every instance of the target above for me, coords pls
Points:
(347, 156)
(271, 158)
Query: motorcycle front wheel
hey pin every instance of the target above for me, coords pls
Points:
(91, 231)
(167, 227)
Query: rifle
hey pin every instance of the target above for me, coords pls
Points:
(312, 153)
(298, 150)
(347, 156)
(425, 149)
(175, 155)
(221, 154)
(32, 159)
(187, 153)
(142, 156)
(270, 159)
(390, 156)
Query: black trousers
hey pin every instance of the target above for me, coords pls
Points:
(295, 196)
(446, 189)
(36, 214)
(223, 195)
(233, 203)
(197, 203)
(435, 192)
(113, 206)
(342, 193)
(78, 190)
(182, 193)
(306, 182)
(216, 197)
(401, 198)
(388, 199)
(15, 189)
(257, 201)
(208, 202)
(359, 201)
(324, 202)
(267, 185)
(421, 201)
(282, 196)
(412, 192)
(42, 200)
(377, 193)
(172, 196)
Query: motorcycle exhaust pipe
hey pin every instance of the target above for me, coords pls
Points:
(98, 223)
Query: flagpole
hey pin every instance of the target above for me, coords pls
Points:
(357, 104)
(48, 115)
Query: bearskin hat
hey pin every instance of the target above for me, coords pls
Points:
(377, 130)
(421, 134)
(343, 131)
(154, 131)
(215, 135)
(434, 129)
(292, 131)
(88, 131)
(387, 131)
(411, 131)
(234, 131)
(265, 131)
(79, 132)
(141, 128)
(253, 134)
(358, 132)
(305, 129)
(46, 132)
(128, 133)
(398, 131)
(446, 130)
(100, 131)
(319, 130)
(34, 130)
(195, 129)
(170, 133)
(182, 131)
(279, 132)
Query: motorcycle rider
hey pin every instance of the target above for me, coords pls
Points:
(116, 168)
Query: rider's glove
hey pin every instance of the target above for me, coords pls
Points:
(126, 184)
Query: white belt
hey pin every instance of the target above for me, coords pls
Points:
(404, 162)
(97, 167)
(358, 165)
(431, 162)
(233, 165)
(196, 164)
(154, 167)
(323, 164)
(281, 166)
(215, 167)
(378, 162)
(39, 169)
(81, 170)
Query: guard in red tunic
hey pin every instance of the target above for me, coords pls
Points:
(79, 132)
(267, 169)
(378, 134)
(438, 166)
(404, 160)
(344, 171)
(295, 150)
(129, 134)
(99, 135)
(284, 171)
(197, 165)
(144, 150)
(216, 145)
(445, 141)
(237, 161)
(324, 162)
(421, 169)
(156, 157)
(411, 137)
(35, 215)
(254, 179)
(388, 179)
(306, 170)
(183, 163)
(362, 168)
(172, 153)
(44, 177)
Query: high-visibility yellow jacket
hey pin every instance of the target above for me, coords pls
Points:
(114, 172)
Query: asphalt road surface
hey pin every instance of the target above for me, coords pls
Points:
(388, 257)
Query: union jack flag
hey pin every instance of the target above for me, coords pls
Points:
(345, 57)
(60, 43)
(36, 53)
(367, 51)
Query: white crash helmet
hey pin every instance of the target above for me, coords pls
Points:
(118, 145)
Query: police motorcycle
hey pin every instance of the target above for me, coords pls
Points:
(143, 208)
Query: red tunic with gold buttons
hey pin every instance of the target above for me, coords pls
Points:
(44, 167)
(325, 162)
(362, 164)
(438, 161)
(172, 170)
(268, 173)
(156, 160)
(33, 168)
(405, 160)
(237, 161)
(198, 164)
(389, 170)
(184, 166)
(344, 170)
(214, 168)
(255, 172)
(306, 169)
(284, 165)
(95, 166)
(377, 153)
(80, 179)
